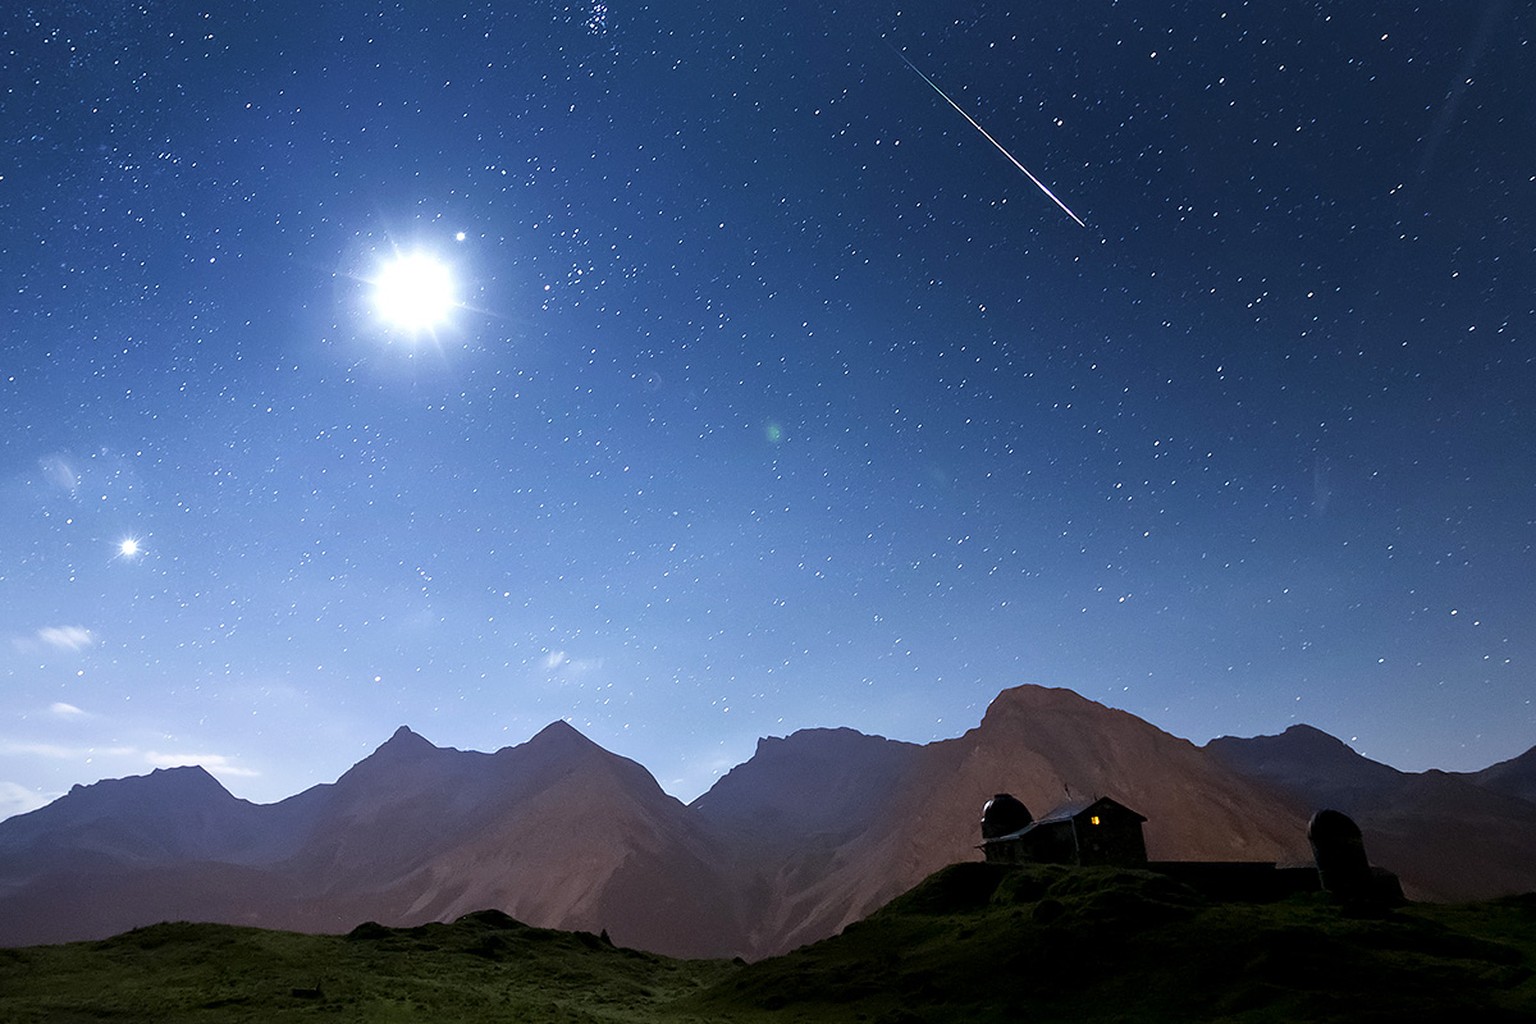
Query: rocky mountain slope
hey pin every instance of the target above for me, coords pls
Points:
(556, 830)
(1043, 745)
(1515, 777)
(815, 831)
(1448, 836)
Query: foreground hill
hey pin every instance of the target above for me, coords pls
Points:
(813, 833)
(979, 942)
(973, 943)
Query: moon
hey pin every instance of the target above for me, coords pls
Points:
(415, 292)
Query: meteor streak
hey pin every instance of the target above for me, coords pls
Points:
(988, 136)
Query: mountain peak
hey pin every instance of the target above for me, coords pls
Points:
(559, 727)
(1032, 697)
(192, 776)
(140, 815)
(822, 741)
(811, 781)
(169, 783)
(1034, 693)
(1299, 740)
(1301, 732)
(403, 747)
(404, 740)
(1302, 752)
(1049, 710)
(561, 737)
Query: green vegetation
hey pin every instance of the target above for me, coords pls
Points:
(974, 943)
(483, 967)
(979, 943)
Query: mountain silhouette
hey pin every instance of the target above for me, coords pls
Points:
(1515, 777)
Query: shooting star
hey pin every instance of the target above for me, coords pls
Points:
(988, 136)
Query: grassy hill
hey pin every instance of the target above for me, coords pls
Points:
(980, 943)
(973, 943)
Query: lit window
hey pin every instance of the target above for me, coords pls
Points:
(1093, 820)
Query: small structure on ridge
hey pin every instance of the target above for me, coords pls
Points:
(1083, 832)
(1003, 815)
(1104, 832)
(1343, 869)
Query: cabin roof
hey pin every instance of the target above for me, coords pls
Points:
(1076, 808)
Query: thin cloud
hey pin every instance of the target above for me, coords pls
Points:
(122, 758)
(62, 753)
(67, 638)
(62, 474)
(64, 710)
(52, 750)
(216, 764)
(17, 799)
(564, 668)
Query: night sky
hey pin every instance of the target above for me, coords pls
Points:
(769, 393)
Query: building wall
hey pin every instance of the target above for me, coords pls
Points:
(1115, 838)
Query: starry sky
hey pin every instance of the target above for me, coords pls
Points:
(770, 394)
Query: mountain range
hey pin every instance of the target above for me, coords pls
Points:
(815, 831)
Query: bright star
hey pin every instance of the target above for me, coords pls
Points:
(415, 292)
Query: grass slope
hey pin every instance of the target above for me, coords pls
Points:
(979, 943)
(483, 967)
(973, 943)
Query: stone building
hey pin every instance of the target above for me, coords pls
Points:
(1082, 832)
